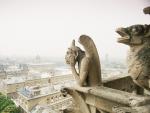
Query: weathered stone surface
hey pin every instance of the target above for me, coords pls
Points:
(138, 39)
(105, 99)
(124, 84)
(78, 98)
(89, 70)
(146, 10)
(118, 109)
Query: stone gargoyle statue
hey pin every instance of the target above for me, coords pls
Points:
(89, 70)
(146, 10)
(137, 37)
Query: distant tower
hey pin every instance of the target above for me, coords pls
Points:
(24, 69)
(38, 59)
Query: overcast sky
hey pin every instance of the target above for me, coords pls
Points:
(47, 27)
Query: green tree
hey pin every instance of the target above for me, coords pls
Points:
(7, 105)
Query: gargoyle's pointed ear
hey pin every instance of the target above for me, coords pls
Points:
(73, 43)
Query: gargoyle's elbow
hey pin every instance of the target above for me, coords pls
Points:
(80, 83)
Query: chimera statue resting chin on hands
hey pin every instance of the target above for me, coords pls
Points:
(89, 71)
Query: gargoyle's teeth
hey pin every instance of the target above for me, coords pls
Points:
(125, 39)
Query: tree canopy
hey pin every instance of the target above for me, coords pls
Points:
(7, 105)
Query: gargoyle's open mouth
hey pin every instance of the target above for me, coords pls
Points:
(125, 38)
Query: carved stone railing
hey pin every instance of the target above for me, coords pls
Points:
(123, 83)
(110, 100)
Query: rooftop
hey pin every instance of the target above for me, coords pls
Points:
(20, 79)
(38, 91)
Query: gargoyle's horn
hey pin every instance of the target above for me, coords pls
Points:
(73, 43)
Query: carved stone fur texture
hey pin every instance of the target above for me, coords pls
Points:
(137, 37)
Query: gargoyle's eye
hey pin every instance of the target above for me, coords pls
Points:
(134, 30)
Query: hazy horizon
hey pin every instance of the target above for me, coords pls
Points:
(47, 27)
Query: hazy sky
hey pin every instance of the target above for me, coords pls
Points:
(47, 27)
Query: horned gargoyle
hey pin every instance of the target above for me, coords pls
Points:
(137, 37)
(89, 71)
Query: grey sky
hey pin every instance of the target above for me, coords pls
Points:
(46, 27)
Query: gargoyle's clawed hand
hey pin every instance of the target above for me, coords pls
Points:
(70, 59)
(65, 91)
(71, 54)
